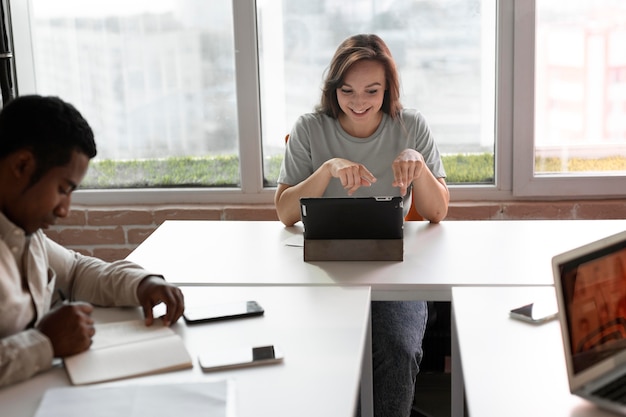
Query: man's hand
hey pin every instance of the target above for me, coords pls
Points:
(154, 290)
(69, 328)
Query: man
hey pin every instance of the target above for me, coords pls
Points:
(45, 148)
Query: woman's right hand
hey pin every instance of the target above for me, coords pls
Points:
(352, 175)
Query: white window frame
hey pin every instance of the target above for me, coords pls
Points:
(525, 183)
(514, 88)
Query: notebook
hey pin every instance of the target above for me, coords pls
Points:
(590, 283)
(352, 217)
(127, 349)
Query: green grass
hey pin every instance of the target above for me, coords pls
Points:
(554, 165)
(214, 171)
(223, 171)
(469, 169)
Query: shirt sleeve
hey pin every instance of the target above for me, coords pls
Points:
(425, 144)
(23, 355)
(297, 164)
(94, 280)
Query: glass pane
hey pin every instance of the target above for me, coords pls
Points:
(580, 87)
(444, 49)
(154, 78)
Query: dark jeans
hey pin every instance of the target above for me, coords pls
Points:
(397, 332)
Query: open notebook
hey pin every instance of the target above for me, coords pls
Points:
(590, 283)
(128, 349)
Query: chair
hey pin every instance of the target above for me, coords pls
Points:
(413, 215)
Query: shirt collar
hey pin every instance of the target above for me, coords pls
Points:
(13, 236)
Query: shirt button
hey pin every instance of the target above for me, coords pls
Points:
(15, 249)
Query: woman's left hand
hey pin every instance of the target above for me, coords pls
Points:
(407, 167)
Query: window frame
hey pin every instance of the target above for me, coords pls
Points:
(513, 120)
(525, 183)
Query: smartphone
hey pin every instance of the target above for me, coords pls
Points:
(536, 313)
(240, 358)
(223, 311)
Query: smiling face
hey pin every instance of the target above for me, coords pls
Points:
(361, 98)
(38, 205)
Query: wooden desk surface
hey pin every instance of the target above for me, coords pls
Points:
(511, 368)
(437, 257)
(322, 332)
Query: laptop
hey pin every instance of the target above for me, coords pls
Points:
(352, 217)
(590, 283)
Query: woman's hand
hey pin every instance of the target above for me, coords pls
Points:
(407, 167)
(352, 175)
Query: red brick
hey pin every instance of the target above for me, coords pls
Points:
(545, 210)
(187, 213)
(111, 254)
(473, 211)
(76, 217)
(258, 212)
(54, 233)
(119, 216)
(138, 235)
(604, 209)
(82, 236)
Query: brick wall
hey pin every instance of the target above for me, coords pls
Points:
(112, 232)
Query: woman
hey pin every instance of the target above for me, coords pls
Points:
(361, 142)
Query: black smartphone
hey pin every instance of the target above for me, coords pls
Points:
(222, 311)
(240, 358)
(536, 313)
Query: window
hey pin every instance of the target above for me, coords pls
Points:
(208, 90)
(579, 145)
(156, 81)
(444, 49)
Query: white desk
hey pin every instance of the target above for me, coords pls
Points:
(322, 332)
(511, 368)
(437, 257)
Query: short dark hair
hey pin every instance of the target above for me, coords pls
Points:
(49, 127)
(352, 50)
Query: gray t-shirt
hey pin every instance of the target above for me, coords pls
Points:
(316, 138)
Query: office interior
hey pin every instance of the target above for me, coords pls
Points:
(110, 223)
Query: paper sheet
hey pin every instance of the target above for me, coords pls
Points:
(206, 399)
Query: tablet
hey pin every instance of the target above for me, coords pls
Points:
(352, 217)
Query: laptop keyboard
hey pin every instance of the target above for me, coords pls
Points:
(614, 391)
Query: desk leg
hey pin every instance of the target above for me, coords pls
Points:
(367, 378)
(456, 389)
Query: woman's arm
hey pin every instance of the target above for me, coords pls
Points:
(287, 197)
(430, 194)
(352, 177)
(431, 197)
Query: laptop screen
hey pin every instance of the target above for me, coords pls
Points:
(594, 291)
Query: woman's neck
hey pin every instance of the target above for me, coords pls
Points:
(360, 130)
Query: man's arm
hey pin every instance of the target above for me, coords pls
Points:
(119, 283)
(24, 355)
(93, 280)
